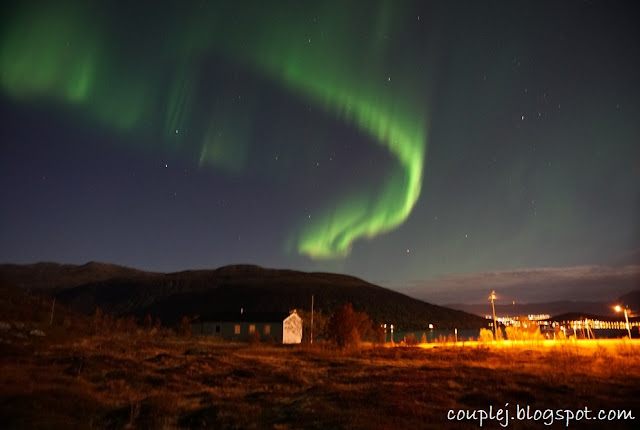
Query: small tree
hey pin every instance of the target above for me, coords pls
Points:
(411, 340)
(485, 336)
(319, 324)
(527, 330)
(185, 326)
(379, 335)
(512, 332)
(346, 327)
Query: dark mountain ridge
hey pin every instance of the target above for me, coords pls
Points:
(253, 288)
(46, 276)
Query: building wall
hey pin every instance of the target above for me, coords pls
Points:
(292, 329)
(227, 330)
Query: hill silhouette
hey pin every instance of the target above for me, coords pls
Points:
(199, 293)
(631, 300)
(46, 276)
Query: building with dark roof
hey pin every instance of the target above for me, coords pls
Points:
(282, 327)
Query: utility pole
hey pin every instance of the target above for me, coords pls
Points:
(618, 308)
(53, 306)
(492, 297)
(311, 337)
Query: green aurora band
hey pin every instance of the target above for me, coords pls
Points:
(59, 53)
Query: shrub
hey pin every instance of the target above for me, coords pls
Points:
(185, 327)
(411, 340)
(528, 330)
(485, 336)
(319, 324)
(346, 327)
(512, 332)
(379, 335)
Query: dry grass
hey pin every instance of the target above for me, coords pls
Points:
(142, 382)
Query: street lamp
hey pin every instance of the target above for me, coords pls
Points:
(618, 308)
(391, 333)
(385, 332)
(492, 297)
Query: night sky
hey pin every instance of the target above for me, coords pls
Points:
(407, 143)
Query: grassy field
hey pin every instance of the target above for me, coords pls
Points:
(152, 382)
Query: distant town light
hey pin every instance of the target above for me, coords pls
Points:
(618, 308)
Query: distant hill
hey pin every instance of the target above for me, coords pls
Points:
(551, 308)
(573, 316)
(632, 300)
(122, 291)
(604, 310)
(53, 276)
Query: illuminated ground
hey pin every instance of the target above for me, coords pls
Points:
(546, 343)
(141, 380)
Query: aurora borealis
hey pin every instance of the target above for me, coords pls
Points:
(328, 75)
(392, 140)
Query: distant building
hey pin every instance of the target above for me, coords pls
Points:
(282, 327)
(540, 319)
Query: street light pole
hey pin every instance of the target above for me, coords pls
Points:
(626, 317)
(492, 297)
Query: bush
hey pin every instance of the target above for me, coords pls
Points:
(528, 330)
(379, 335)
(485, 336)
(185, 327)
(319, 325)
(346, 327)
(411, 340)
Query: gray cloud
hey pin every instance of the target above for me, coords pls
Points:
(590, 283)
